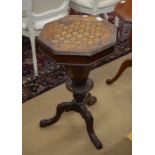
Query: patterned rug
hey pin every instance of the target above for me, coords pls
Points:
(51, 74)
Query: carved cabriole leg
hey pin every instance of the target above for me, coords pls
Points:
(65, 106)
(125, 64)
(87, 116)
(122, 37)
(81, 108)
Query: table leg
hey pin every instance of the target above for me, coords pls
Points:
(65, 106)
(90, 100)
(80, 86)
(127, 63)
(87, 116)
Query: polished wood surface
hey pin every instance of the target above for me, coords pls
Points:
(127, 63)
(77, 42)
(79, 85)
(78, 35)
(124, 10)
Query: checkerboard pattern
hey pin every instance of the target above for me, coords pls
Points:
(78, 34)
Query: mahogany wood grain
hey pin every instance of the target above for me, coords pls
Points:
(124, 10)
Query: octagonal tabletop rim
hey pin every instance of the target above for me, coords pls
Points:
(44, 37)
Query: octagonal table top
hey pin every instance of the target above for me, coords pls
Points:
(78, 35)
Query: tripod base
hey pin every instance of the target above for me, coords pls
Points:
(80, 108)
(79, 85)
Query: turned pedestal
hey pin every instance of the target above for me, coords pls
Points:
(79, 85)
(77, 42)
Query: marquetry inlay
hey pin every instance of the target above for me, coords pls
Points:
(78, 34)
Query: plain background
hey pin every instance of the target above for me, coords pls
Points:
(143, 72)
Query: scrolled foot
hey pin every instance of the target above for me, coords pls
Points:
(90, 100)
(109, 81)
(87, 116)
(65, 106)
(46, 122)
(127, 63)
(96, 141)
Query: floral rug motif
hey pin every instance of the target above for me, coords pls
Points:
(51, 74)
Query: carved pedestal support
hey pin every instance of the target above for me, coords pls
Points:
(79, 85)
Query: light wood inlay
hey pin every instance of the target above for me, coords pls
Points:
(78, 34)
